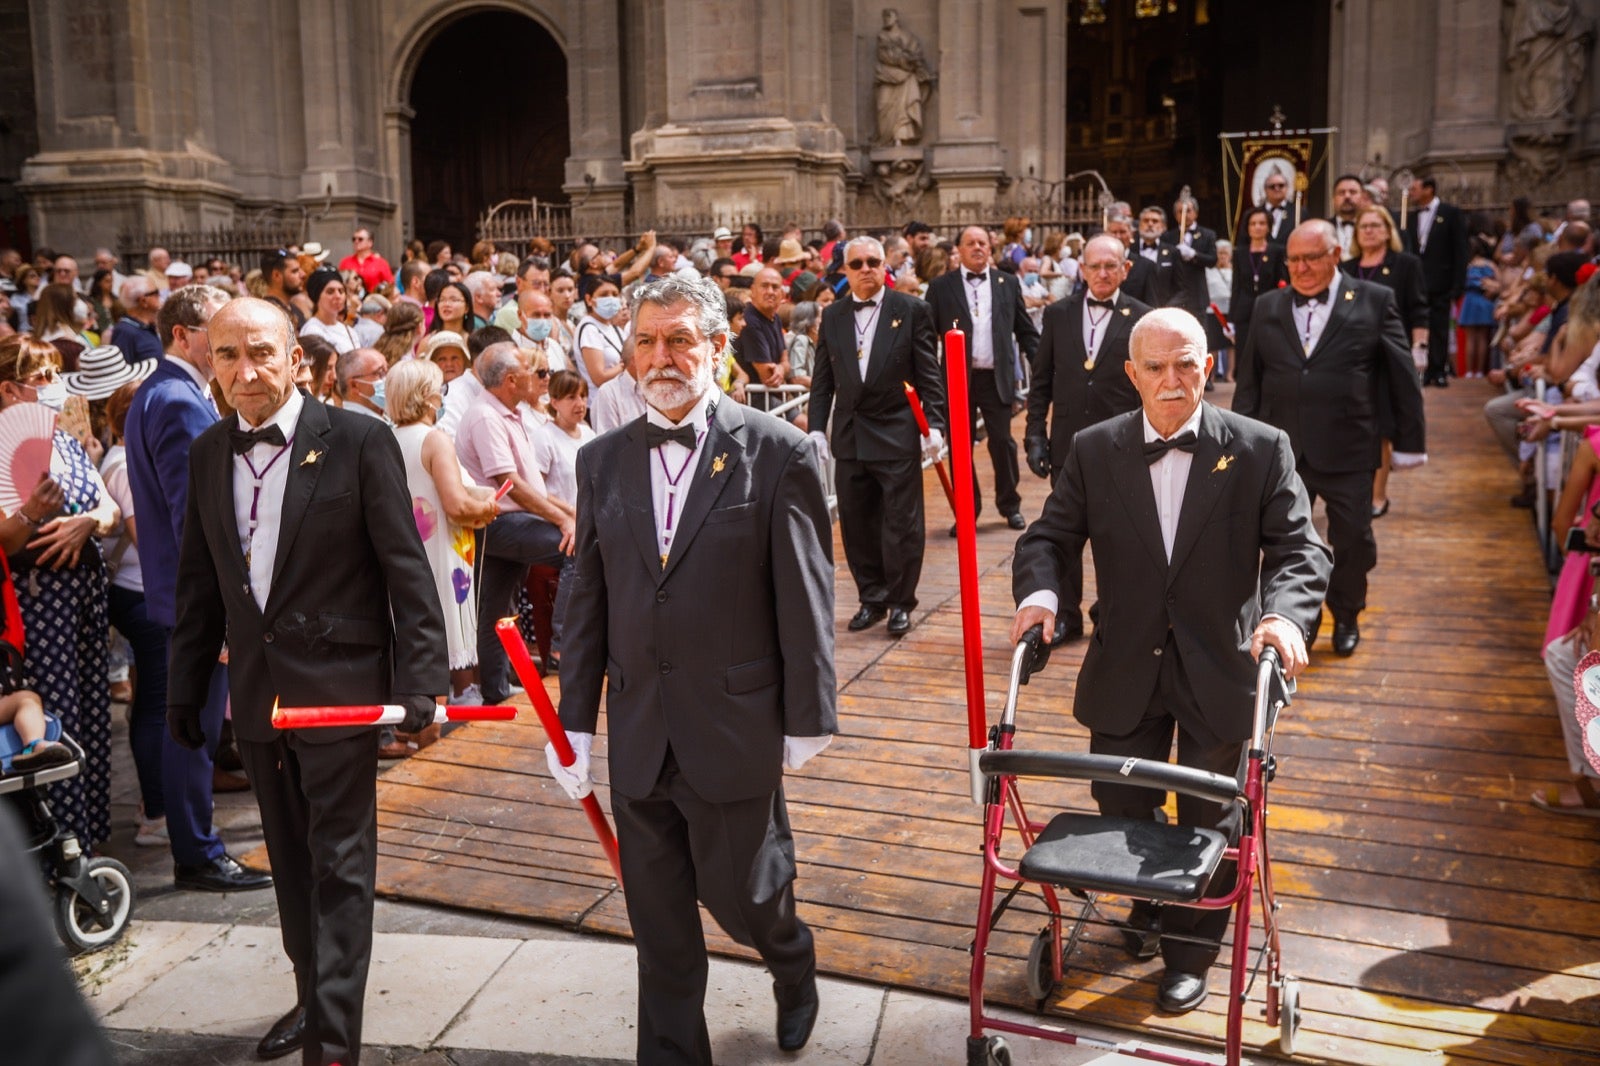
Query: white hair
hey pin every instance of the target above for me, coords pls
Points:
(866, 242)
(710, 305)
(478, 279)
(1173, 320)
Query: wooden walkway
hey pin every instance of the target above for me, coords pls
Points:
(1432, 913)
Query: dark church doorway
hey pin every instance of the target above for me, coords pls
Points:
(490, 96)
(1151, 83)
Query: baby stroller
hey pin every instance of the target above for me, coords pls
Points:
(94, 896)
(1093, 856)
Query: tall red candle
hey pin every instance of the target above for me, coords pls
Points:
(955, 368)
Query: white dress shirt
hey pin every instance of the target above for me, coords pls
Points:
(980, 303)
(1311, 318)
(464, 392)
(1169, 475)
(1096, 323)
(270, 478)
(865, 326)
(1151, 252)
(672, 468)
(1425, 218)
(1345, 234)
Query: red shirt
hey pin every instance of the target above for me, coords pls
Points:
(373, 270)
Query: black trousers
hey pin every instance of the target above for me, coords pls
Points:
(1355, 549)
(1438, 335)
(737, 859)
(319, 815)
(884, 531)
(513, 543)
(1070, 609)
(983, 396)
(1172, 708)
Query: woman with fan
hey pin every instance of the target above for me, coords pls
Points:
(47, 528)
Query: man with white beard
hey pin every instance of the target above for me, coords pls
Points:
(704, 599)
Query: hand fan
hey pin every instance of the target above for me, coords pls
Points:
(1587, 678)
(26, 430)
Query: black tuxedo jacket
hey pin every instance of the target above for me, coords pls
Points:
(353, 616)
(1140, 284)
(1253, 279)
(1401, 274)
(1162, 274)
(1444, 260)
(1187, 286)
(1009, 321)
(1080, 397)
(871, 418)
(728, 648)
(1245, 547)
(1328, 403)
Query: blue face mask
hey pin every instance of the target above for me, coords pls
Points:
(438, 416)
(1030, 279)
(608, 306)
(538, 329)
(377, 395)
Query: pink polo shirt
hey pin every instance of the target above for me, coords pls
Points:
(492, 442)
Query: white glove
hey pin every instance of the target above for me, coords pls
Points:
(1419, 356)
(932, 444)
(1186, 251)
(1408, 460)
(797, 751)
(820, 439)
(574, 780)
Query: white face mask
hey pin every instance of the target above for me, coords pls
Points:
(52, 394)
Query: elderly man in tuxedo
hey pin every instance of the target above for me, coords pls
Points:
(1312, 365)
(1080, 378)
(704, 603)
(1436, 233)
(299, 548)
(1204, 553)
(868, 348)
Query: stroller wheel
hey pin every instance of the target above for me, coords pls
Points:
(1288, 1014)
(81, 926)
(1041, 969)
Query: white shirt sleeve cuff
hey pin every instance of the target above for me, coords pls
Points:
(1043, 598)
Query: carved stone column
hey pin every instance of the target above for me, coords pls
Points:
(595, 181)
(968, 163)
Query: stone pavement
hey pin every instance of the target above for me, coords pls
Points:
(199, 977)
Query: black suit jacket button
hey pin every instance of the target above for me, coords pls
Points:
(268, 638)
(1171, 599)
(666, 668)
(661, 595)
(1158, 651)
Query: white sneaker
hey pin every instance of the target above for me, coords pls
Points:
(471, 696)
(152, 833)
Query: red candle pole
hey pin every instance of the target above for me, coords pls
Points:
(955, 368)
(379, 714)
(522, 663)
(922, 425)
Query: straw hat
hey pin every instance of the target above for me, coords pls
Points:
(445, 338)
(722, 233)
(103, 370)
(789, 251)
(314, 250)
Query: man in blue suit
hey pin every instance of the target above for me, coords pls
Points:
(170, 410)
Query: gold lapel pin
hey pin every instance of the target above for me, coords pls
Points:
(998, 280)
(1222, 464)
(895, 324)
(718, 463)
(311, 458)
(1124, 312)
(1348, 295)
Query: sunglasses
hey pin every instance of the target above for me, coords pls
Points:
(543, 373)
(868, 264)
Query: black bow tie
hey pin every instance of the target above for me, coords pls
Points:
(863, 305)
(1155, 449)
(1300, 299)
(1092, 302)
(974, 278)
(1152, 244)
(655, 436)
(245, 439)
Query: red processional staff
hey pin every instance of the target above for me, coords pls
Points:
(955, 365)
(922, 427)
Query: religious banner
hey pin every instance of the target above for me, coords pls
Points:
(1250, 158)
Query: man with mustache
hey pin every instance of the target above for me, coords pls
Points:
(704, 603)
(1204, 553)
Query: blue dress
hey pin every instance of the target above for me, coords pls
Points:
(1476, 308)
(64, 616)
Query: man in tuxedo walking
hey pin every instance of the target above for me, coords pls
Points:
(704, 602)
(1312, 365)
(1140, 281)
(986, 304)
(868, 348)
(1186, 601)
(1436, 233)
(1079, 379)
(1194, 248)
(299, 547)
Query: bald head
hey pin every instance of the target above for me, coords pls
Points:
(1104, 265)
(254, 353)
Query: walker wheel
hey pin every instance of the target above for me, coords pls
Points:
(1041, 969)
(999, 1051)
(81, 927)
(1288, 1014)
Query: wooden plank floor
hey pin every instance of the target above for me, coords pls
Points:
(1432, 913)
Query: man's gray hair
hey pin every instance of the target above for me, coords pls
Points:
(1173, 320)
(495, 362)
(478, 279)
(192, 307)
(709, 303)
(865, 242)
(345, 368)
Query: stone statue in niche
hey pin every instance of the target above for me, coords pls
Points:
(901, 83)
(1547, 58)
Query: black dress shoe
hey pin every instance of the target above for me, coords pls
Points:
(221, 874)
(899, 622)
(1141, 931)
(797, 1011)
(867, 616)
(1379, 512)
(1181, 992)
(1346, 635)
(1016, 521)
(288, 1034)
(1065, 632)
(955, 529)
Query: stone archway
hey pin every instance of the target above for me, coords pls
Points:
(465, 141)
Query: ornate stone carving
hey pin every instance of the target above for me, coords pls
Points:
(900, 178)
(1547, 58)
(901, 82)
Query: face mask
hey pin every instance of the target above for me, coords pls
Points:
(608, 306)
(438, 415)
(377, 395)
(538, 329)
(81, 309)
(52, 394)
(1027, 236)
(1030, 279)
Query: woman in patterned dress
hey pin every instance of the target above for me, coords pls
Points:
(61, 586)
